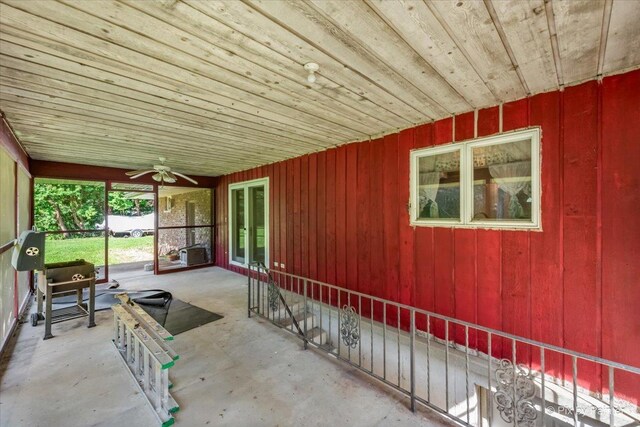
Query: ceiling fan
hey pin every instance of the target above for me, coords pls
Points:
(162, 173)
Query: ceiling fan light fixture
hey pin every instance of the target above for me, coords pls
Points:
(161, 173)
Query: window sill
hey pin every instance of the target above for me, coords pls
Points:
(504, 226)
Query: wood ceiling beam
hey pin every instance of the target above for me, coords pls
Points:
(221, 149)
(579, 26)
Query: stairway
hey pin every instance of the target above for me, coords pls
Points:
(305, 318)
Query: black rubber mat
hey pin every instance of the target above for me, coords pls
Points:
(175, 315)
(105, 298)
(180, 316)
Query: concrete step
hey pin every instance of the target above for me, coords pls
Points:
(317, 335)
(281, 313)
(328, 347)
(309, 317)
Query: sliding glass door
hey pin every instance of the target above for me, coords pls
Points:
(248, 222)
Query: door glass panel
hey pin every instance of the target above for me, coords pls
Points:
(238, 226)
(257, 226)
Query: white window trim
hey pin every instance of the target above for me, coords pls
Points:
(246, 185)
(466, 182)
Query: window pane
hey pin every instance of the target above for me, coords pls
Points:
(502, 182)
(257, 227)
(439, 186)
(238, 227)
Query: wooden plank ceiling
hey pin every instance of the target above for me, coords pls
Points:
(219, 86)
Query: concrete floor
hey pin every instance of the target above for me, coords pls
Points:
(235, 371)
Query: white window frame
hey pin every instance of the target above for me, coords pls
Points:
(246, 185)
(466, 182)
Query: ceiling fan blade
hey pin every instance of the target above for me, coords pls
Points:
(186, 177)
(170, 175)
(136, 172)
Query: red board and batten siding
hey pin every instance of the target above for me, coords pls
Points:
(575, 284)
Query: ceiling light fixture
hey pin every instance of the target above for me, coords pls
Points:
(312, 68)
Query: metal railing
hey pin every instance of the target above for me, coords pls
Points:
(474, 375)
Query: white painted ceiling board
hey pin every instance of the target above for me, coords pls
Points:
(623, 40)
(326, 36)
(232, 45)
(174, 44)
(109, 74)
(471, 23)
(70, 71)
(578, 24)
(219, 86)
(13, 78)
(253, 25)
(419, 28)
(531, 43)
(364, 27)
(157, 61)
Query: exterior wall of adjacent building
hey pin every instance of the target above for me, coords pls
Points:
(176, 216)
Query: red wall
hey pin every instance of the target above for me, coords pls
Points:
(340, 216)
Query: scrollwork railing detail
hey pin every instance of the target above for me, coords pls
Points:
(514, 394)
(349, 326)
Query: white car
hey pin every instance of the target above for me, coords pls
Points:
(130, 226)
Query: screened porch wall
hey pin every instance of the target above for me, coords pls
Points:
(15, 217)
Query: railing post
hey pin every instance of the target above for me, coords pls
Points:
(304, 282)
(249, 292)
(413, 361)
(259, 299)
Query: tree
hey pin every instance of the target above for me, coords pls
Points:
(61, 206)
(66, 207)
(122, 204)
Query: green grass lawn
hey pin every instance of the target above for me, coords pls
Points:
(91, 249)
